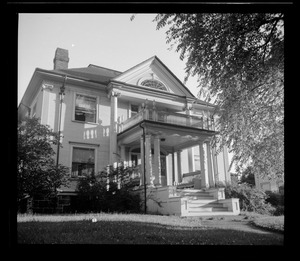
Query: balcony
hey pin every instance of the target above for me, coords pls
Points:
(202, 122)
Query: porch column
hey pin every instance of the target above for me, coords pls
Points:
(157, 170)
(204, 181)
(191, 159)
(173, 168)
(226, 165)
(113, 126)
(209, 166)
(148, 157)
(215, 165)
(179, 177)
(142, 162)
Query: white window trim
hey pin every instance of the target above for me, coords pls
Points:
(84, 146)
(33, 113)
(97, 108)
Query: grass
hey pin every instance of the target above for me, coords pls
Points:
(271, 223)
(134, 229)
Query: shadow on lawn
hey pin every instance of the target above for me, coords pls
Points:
(135, 232)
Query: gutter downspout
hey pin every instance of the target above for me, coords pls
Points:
(145, 188)
(61, 94)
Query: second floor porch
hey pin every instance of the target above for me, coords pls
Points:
(201, 119)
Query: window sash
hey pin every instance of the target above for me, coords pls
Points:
(83, 161)
(85, 108)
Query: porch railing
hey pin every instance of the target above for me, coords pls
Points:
(200, 122)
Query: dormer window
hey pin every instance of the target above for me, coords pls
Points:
(155, 84)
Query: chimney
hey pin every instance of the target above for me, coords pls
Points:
(61, 59)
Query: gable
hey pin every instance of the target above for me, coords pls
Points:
(153, 74)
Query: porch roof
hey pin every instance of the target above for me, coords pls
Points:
(173, 137)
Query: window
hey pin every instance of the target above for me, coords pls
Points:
(134, 160)
(83, 161)
(134, 110)
(85, 108)
(154, 84)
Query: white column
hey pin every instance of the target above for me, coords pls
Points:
(148, 158)
(113, 127)
(169, 170)
(157, 170)
(226, 165)
(191, 159)
(173, 168)
(209, 166)
(215, 165)
(204, 181)
(179, 177)
(142, 162)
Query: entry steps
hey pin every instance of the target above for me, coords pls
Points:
(201, 203)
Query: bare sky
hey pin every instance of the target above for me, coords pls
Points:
(107, 40)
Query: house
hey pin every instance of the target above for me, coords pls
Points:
(144, 117)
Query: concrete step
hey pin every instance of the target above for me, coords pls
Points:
(205, 208)
(203, 205)
(207, 213)
(190, 190)
(202, 201)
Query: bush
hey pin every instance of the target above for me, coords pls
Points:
(251, 199)
(108, 191)
(276, 199)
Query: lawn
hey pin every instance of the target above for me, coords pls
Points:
(139, 229)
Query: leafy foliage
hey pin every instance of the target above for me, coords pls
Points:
(37, 172)
(239, 61)
(276, 199)
(248, 176)
(108, 191)
(251, 199)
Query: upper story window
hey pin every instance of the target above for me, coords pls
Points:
(85, 108)
(155, 84)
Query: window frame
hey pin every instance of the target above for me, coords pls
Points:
(132, 113)
(82, 146)
(33, 110)
(74, 107)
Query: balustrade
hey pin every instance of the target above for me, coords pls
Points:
(200, 122)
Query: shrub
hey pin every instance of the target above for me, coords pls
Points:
(108, 191)
(276, 199)
(251, 199)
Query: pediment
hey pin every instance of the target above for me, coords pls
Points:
(153, 74)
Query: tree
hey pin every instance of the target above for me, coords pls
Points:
(239, 62)
(37, 172)
(248, 176)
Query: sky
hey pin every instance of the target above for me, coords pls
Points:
(108, 40)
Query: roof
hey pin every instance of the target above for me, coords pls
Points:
(92, 72)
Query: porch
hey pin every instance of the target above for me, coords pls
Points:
(164, 153)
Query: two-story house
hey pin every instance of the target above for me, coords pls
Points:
(144, 117)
